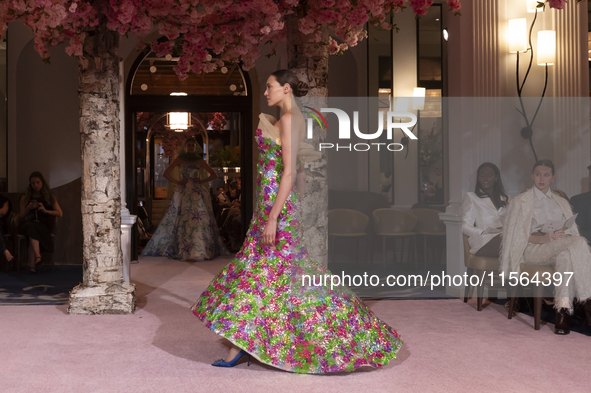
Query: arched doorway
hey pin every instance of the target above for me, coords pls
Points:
(218, 108)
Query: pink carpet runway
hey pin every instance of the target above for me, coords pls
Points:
(449, 347)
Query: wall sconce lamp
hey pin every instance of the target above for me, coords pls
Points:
(520, 41)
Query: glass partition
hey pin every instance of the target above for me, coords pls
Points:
(3, 119)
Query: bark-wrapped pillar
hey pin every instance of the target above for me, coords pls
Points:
(309, 61)
(103, 290)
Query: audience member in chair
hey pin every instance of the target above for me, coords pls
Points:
(38, 209)
(565, 251)
(483, 209)
(582, 205)
(4, 213)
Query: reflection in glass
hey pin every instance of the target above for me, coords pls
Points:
(430, 120)
(3, 119)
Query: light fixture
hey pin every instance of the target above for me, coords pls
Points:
(224, 70)
(208, 57)
(517, 35)
(144, 87)
(546, 47)
(168, 57)
(153, 69)
(384, 91)
(445, 34)
(418, 98)
(178, 121)
(178, 93)
(518, 42)
(534, 5)
(233, 87)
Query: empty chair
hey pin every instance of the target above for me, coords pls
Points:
(429, 225)
(397, 225)
(347, 224)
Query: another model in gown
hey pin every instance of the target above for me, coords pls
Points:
(258, 301)
(188, 231)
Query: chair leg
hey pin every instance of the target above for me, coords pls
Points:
(416, 253)
(414, 250)
(403, 242)
(425, 250)
(331, 248)
(357, 252)
(384, 250)
(479, 296)
(538, 295)
(369, 244)
(468, 286)
(512, 293)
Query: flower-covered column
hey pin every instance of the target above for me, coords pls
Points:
(103, 290)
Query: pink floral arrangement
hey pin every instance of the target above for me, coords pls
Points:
(206, 34)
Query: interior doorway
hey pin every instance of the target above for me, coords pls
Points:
(162, 111)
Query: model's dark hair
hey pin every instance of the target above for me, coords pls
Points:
(546, 163)
(45, 190)
(298, 88)
(499, 197)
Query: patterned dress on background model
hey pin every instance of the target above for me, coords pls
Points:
(188, 231)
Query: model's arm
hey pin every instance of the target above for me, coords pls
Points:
(4, 209)
(25, 209)
(469, 217)
(57, 210)
(168, 173)
(287, 148)
(212, 174)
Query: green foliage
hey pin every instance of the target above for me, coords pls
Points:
(224, 156)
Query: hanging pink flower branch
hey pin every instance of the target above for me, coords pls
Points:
(204, 34)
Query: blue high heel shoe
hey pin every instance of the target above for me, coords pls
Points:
(233, 362)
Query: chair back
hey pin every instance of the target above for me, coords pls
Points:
(467, 254)
(393, 221)
(362, 201)
(429, 221)
(345, 221)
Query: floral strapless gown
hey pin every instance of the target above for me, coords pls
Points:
(188, 231)
(259, 304)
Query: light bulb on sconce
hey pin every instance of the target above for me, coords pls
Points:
(445, 34)
(546, 47)
(418, 98)
(517, 34)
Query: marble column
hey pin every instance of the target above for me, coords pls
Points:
(473, 137)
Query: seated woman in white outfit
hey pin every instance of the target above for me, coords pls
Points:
(485, 208)
(565, 251)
